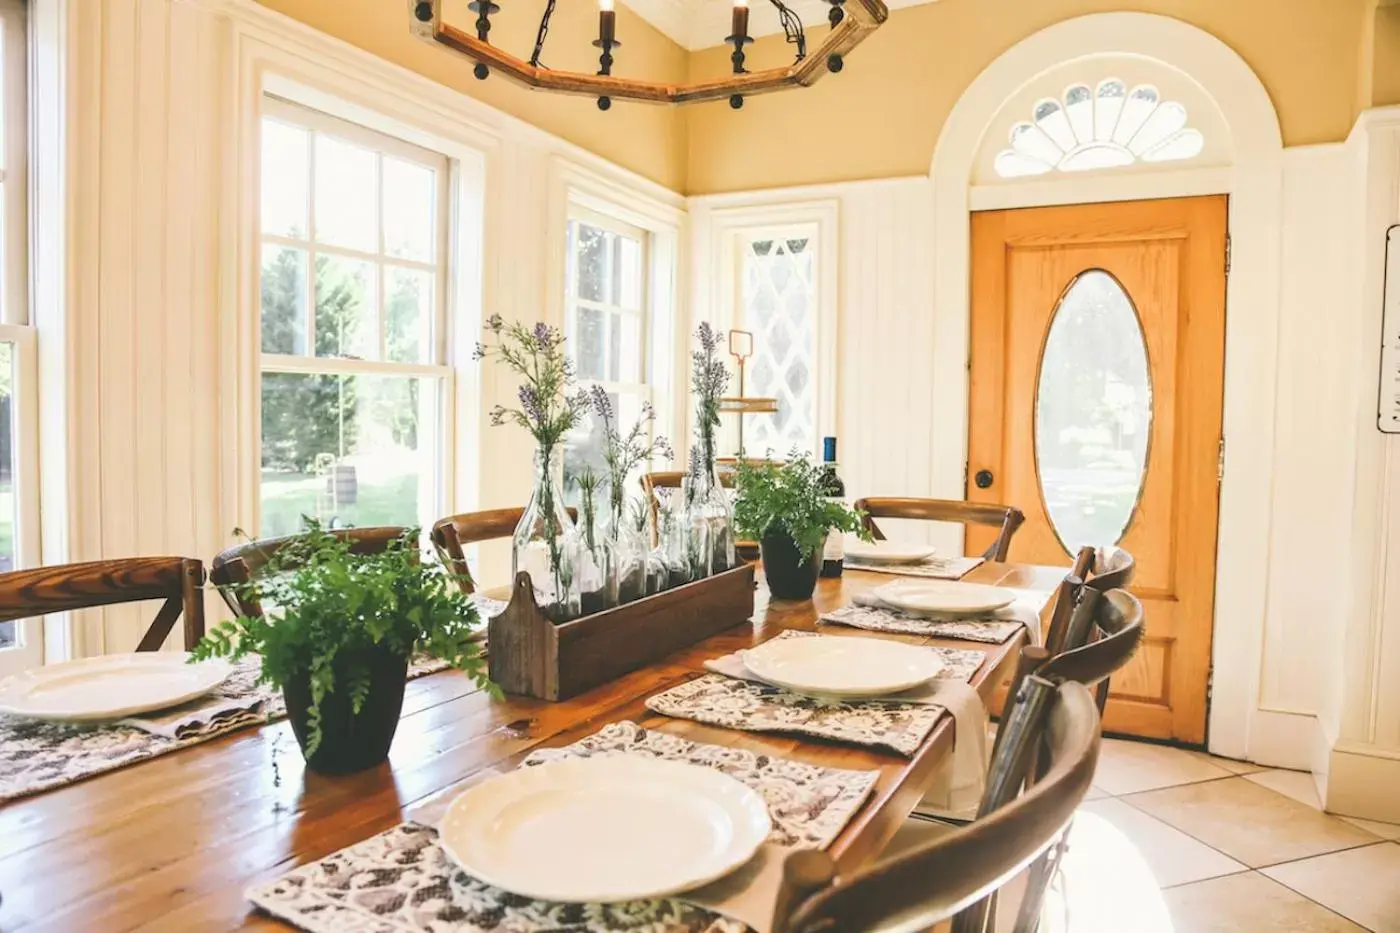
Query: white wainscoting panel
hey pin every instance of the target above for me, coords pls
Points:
(1314, 458)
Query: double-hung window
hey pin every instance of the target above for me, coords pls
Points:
(21, 643)
(606, 303)
(355, 383)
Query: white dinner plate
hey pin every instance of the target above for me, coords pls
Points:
(951, 597)
(601, 830)
(110, 686)
(886, 552)
(842, 666)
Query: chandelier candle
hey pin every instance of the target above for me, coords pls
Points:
(607, 41)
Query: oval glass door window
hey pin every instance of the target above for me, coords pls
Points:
(1093, 413)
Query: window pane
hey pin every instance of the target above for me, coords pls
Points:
(346, 195)
(346, 292)
(1093, 413)
(630, 273)
(408, 304)
(9, 631)
(584, 448)
(409, 199)
(590, 263)
(589, 343)
(283, 300)
(348, 450)
(8, 503)
(285, 175)
(627, 350)
(779, 307)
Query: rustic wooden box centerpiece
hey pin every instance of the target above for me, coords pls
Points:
(532, 656)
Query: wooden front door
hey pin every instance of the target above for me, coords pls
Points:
(1097, 365)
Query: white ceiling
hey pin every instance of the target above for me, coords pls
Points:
(700, 24)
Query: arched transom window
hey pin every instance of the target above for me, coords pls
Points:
(1107, 126)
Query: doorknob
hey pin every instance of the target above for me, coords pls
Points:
(983, 479)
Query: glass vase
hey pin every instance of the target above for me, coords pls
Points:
(597, 588)
(627, 553)
(712, 519)
(678, 540)
(545, 543)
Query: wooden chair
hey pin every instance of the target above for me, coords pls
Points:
(671, 479)
(955, 874)
(1111, 569)
(242, 563)
(1115, 624)
(177, 580)
(452, 535)
(1007, 518)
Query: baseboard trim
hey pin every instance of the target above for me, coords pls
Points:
(1362, 783)
(1283, 740)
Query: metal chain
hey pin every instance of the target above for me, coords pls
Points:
(540, 36)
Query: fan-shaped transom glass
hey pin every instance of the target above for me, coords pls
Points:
(1108, 126)
(1093, 413)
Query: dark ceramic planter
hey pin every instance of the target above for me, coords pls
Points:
(790, 573)
(351, 741)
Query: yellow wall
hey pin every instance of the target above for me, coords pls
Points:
(882, 115)
(1321, 61)
(1383, 82)
(647, 139)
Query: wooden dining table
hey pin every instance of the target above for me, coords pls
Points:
(171, 843)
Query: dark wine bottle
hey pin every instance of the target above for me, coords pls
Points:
(834, 551)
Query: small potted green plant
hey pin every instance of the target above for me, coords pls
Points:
(338, 641)
(784, 508)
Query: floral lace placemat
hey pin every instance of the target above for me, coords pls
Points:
(750, 706)
(870, 618)
(401, 881)
(37, 756)
(936, 568)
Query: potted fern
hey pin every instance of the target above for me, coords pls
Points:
(341, 636)
(783, 506)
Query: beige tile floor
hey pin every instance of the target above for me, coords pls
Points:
(1176, 841)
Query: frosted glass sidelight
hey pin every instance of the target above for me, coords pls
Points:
(1093, 413)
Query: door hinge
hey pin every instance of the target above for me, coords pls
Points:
(1227, 254)
(1220, 462)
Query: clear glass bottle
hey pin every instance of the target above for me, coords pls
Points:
(713, 518)
(545, 543)
(627, 552)
(597, 587)
(678, 540)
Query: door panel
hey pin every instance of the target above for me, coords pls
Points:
(1079, 437)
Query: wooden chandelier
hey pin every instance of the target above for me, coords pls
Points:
(851, 21)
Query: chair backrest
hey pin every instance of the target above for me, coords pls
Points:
(452, 535)
(671, 479)
(1006, 518)
(1112, 569)
(957, 871)
(1115, 626)
(179, 581)
(242, 563)
(1066, 598)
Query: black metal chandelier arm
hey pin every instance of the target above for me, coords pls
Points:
(792, 28)
(543, 32)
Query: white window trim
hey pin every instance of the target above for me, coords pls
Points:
(729, 227)
(578, 192)
(643, 386)
(16, 325)
(435, 487)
